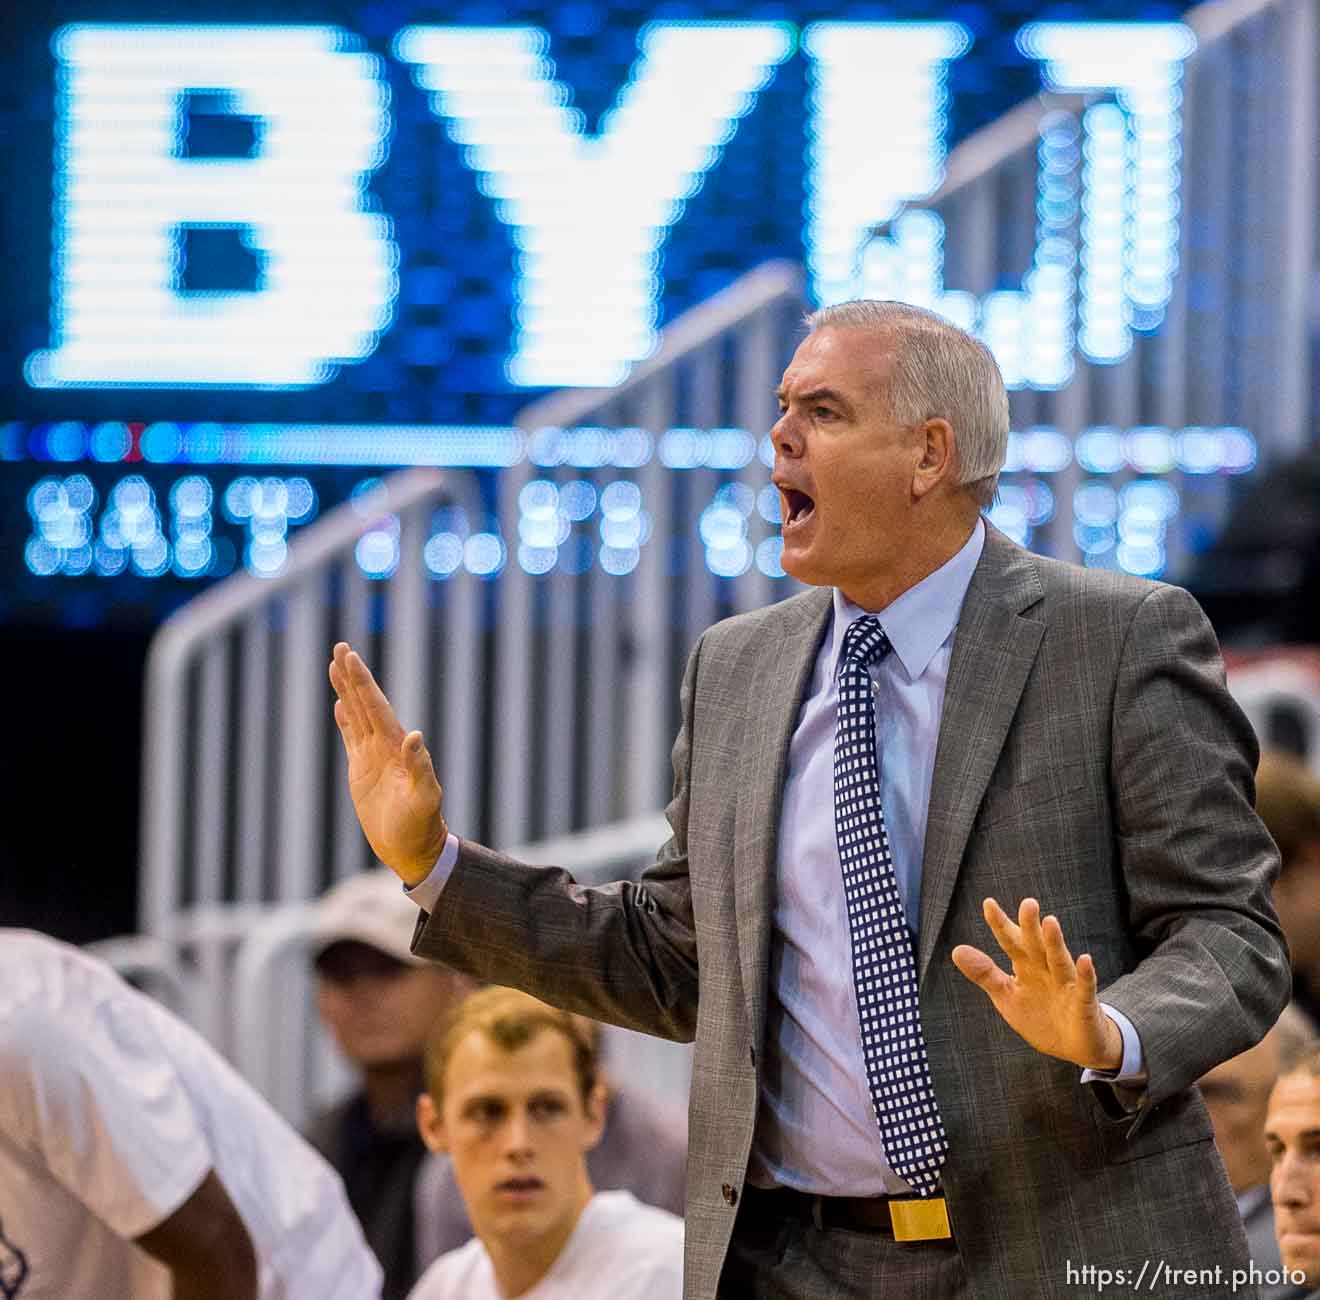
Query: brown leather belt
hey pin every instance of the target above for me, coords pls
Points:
(881, 1214)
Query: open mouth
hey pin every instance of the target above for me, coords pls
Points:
(798, 507)
(520, 1186)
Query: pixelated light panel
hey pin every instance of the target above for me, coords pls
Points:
(144, 507)
(404, 225)
(271, 207)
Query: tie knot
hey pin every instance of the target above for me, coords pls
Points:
(865, 641)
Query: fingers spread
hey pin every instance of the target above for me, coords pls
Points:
(980, 969)
(1033, 942)
(1008, 935)
(1056, 952)
(1086, 984)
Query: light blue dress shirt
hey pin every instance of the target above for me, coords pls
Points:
(816, 1128)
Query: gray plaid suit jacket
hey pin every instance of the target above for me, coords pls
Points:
(1089, 755)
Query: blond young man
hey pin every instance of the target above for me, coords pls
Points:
(513, 1097)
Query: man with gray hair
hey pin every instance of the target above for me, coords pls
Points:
(863, 775)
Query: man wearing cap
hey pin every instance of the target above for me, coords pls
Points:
(380, 1003)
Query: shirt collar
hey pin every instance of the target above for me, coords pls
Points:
(1252, 1200)
(919, 621)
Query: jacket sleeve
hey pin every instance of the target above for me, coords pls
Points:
(624, 953)
(1196, 861)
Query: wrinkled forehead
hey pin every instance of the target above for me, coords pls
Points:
(854, 361)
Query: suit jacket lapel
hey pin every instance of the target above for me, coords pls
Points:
(993, 651)
(770, 728)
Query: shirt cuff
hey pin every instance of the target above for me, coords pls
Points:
(426, 893)
(1131, 1071)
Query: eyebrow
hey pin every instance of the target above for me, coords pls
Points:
(817, 394)
(541, 1094)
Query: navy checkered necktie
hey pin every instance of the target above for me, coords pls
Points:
(884, 964)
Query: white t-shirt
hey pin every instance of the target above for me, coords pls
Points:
(111, 1113)
(620, 1250)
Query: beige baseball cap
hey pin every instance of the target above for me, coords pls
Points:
(367, 908)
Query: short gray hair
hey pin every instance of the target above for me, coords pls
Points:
(1295, 1036)
(940, 372)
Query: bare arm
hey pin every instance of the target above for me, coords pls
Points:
(206, 1247)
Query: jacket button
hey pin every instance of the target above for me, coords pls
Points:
(730, 1194)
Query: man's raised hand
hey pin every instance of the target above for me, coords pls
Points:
(1049, 999)
(390, 777)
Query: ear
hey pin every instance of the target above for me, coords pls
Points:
(938, 459)
(430, 1125)
(597, 1101)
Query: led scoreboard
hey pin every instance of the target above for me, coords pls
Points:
(252, 264)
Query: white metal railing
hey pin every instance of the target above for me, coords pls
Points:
(242, 973)
(717, 367)
(235, 803)
(279, 1044)
(244, 797)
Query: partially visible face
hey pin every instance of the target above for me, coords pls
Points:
(379, 1010)
(1237, 1094)
(1292, 1134)
(844, 469)
(518, 1131)
(1297, 901)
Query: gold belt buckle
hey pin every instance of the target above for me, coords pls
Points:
(920, 1220)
